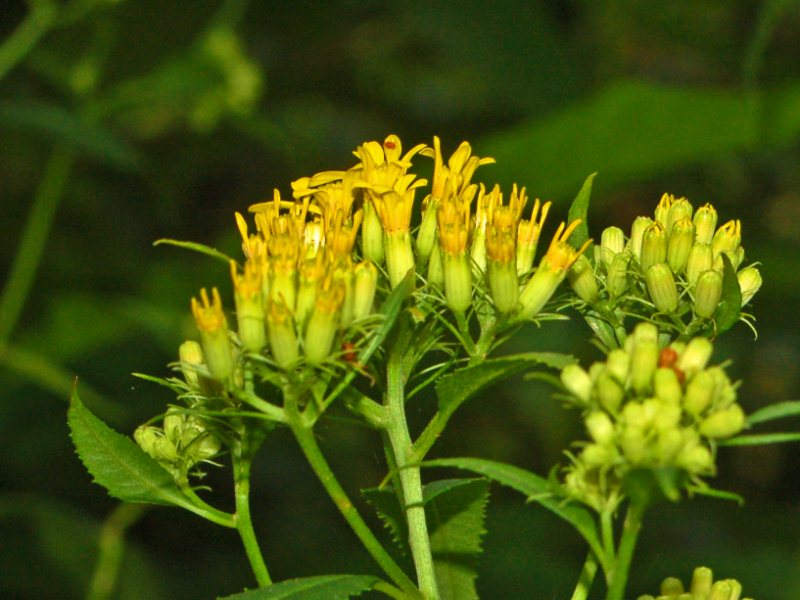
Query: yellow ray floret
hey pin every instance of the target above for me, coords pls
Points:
(208, 314)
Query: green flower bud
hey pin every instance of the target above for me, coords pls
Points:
(727, 238)
(283, 287)
(190, 355)
(721, 590)
(640, 225)
(662, 288)
(667, 387)
(705, 222)
(249, 306)
(146, 436)
(324, 323)
(662, 210)
(700, 259)
(577, 382)
(654, 246)
(749, 283)
(213, 327)
(634, 445)
(695, 357)
(399, 256)
(679, 210)
(736, 589)
(173, 425)
(281, 334)
(477, 251)
(600, 427)
(435, 270)
(643, 365)
(343, 274)
(707, 293)
(503, 284)
(610, 393)
(668, 417)
(617, 278)
(669, 444)
(612, 242)
(457, 281)
(699, 392)
(372, 244)
(426, 236)
(723, 423)
(596, 456)
(681, 240)
(696, 459)
(618, 363)
(702, 580)
(200, 445)
(538, 290)
(671, 586)
(581, 278)
(366, 281)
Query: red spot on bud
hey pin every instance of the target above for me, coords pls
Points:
(667, 358)
(681, 375)
(348, 352)
(389, 144)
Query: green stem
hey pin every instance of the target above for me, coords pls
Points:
(40, 20)
(202, 509)
(607, 531)
(111, 545)
(241, 473)
(33, 239)
(618, 577)
(587, 577)
(311, 450)
(410, 480)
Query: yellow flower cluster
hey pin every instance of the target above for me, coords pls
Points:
(648, 407)
(312, 262)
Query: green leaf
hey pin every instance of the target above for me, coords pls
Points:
(459, 386)
(456, 510)
(704, 490)
(537, 489)
(57, 123)
(118, 464)
(579, 209)
(761, 439)
(196, 247)
(321, 587)
(384, 501)
(390, 309)
(781, 410)
(730, 305)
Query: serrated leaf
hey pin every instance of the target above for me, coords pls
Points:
(456, 510)
(459, 386)
(59, 124)
(781, 410)
(321, 587)
(761, 439)
(384, 501)
(118, 464)
(730, 304)
(196, 247)
(579, 209)
(535, 488)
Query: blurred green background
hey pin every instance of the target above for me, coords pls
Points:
(122, 122)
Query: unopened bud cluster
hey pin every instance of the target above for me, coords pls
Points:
(670, 265)
(651, 407)
(702, 587)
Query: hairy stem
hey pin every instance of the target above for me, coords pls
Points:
(410, 481)
(618, 577)
(242, 460)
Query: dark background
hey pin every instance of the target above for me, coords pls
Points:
(124, 122)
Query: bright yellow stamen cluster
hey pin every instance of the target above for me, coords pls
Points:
(208, 314)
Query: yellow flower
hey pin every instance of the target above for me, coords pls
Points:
(213, 329)
(528, 233)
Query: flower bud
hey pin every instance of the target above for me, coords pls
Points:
(702, 580)
(366, 281)
(202, 447)
(721, 590)
(662, 288)
(399, 256)
(600, 427)
(705, 223)
(695, 459)
(671, 586)
(666, 385)
(643, 365)
(213, 329)
(669, 444)
(426, 236)
(749, 283)
(503, 285)
(598, 455)
(640, 225)
(618, 363)
(577, 382)
(723, 423)
(282, 335)
(372, 243)
(617, 278)
(249, 306)
(662, 210)
(681, 240)
(667, 416)
(190, 355)
(457, 281)
(538, 290)
(324, 322)
(654, 246)
(173, 425)
(727, 238)
(699, 392)
(435, 270)
(146, 436)
(634, 444)
(695, 357)
(707, 293)
(581, 278)
(610, 393)
(700, 259)
(679, 210)
(612, 242)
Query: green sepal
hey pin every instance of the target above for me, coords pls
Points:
(321, 587)
(579, 209)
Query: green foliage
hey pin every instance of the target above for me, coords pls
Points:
(118, 464)
(579, 209)
(322, 587)
(196, 247)
(780, 410)
(730, 305)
